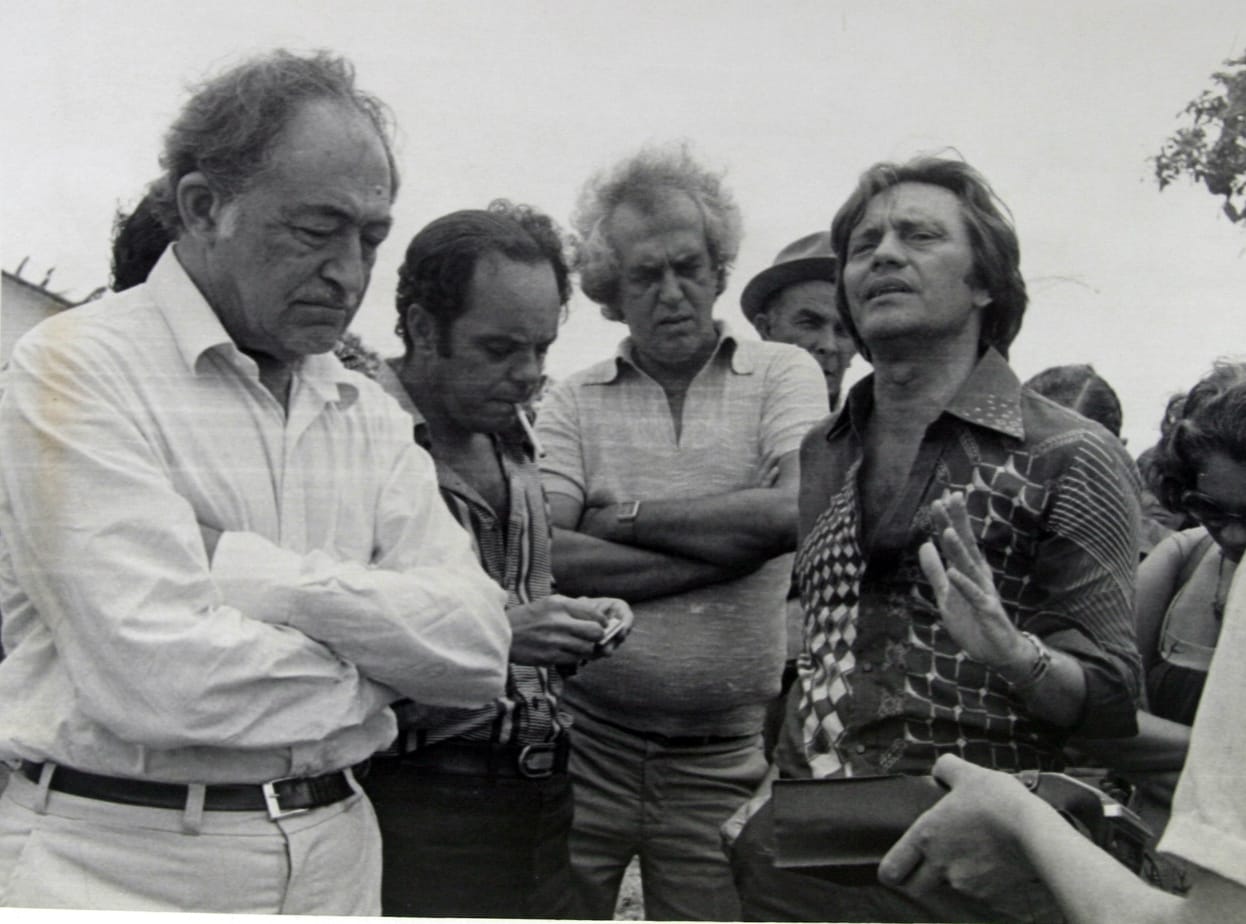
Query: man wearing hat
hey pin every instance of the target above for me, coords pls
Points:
(793, 301)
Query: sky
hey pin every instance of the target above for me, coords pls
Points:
(1059, 104)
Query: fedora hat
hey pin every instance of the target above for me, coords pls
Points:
(802, 260)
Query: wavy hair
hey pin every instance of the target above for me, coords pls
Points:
(644, 181)
(229, 126)
(442, 257)
(1210, 418)
(996, 250)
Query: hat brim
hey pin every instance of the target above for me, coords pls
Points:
(770, 280)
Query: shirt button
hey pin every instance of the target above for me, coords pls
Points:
(860, 749)
(867, 667)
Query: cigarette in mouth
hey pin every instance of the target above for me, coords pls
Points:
(528, 431)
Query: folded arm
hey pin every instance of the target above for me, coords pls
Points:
(738, 529)
(114, 561)
(589, 566)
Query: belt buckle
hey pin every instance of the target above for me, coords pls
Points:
(272, 800)
(536, 761)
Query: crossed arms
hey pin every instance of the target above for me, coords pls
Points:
(675, 544)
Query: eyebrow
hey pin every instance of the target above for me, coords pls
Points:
(325, 210)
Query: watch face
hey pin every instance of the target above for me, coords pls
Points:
(629, 510)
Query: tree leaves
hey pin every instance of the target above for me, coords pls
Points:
(1211, 147)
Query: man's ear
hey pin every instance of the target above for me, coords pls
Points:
(761, 322)
(422, 327)
(199, 205)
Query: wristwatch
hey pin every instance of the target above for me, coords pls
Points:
(626, 516)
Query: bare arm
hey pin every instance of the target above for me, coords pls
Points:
(1159, 747)
(1157, 584)
(588, 566)
(742, 528)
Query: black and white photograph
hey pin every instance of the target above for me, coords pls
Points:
(697, 460)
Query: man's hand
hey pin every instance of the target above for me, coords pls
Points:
(966, 594)
(619, 621)
(969, 840)
(560, 630)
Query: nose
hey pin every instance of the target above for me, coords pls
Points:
(888, 249)
(527, 369)
(669, 291)
(827, 344)
(348, 267)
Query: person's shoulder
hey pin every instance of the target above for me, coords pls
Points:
(771, 354)
(1048, 424)
(121, 322)
(604, 372)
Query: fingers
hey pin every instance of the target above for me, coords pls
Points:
(901, 861)
(981, 600)
(951, 513)
(932, 567)
(951, 770)
(591, 609)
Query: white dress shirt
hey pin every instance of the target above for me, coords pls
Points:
(340, 581)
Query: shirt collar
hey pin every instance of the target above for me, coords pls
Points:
(742, 361)
(990, 397)
(196, 330)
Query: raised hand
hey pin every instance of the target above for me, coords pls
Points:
(965, 591)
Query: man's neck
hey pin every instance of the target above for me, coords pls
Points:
(674, 377)
(448, 439)
(917, 384)
(276, 376)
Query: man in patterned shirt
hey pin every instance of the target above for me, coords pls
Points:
(967, 547)
(475, 803)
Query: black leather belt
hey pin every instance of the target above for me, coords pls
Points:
(466, 758)
(279, 798)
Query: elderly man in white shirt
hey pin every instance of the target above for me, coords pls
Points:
(221, 555)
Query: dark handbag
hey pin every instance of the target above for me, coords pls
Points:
(841, 828)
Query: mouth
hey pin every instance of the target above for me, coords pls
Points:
(675, 322)
(887, 286)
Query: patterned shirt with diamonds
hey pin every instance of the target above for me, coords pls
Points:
(1052, 499)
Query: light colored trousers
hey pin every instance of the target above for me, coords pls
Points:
(61, 851)
(665, 805)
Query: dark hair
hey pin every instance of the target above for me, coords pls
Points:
(996, 251)
(646, 180)
(227, 129)
(442, 257)
(1211, 418)
(138, 240)
(1083, 390)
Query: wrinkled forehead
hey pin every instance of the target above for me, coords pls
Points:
(653, 226)
(913, 201)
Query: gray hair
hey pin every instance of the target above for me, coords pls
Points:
(228, 128)
(644, 180)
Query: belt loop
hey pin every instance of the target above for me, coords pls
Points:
(45, 784)
(192, 813)
(349, 773)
